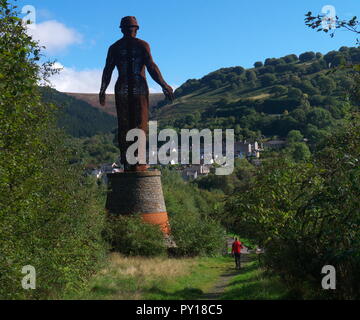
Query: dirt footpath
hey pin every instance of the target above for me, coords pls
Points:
(225, 278)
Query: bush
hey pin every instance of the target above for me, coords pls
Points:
(131, 236)
(183, 197)
(307, 56)
(268, 79)
(295, 136)
(192, 214)
(299, 151)
(279, 90)
(274, 61)
(197, 236)
(291, 58)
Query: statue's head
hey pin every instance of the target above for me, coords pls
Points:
(129, 26)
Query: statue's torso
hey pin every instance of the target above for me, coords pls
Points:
(129, 57)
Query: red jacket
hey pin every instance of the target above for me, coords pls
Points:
(236, 247)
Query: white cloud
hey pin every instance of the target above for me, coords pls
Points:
(54, 35)
(80, 81)
(85, 81)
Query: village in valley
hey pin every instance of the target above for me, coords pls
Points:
(242, 150)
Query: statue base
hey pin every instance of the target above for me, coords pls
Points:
(138, 192)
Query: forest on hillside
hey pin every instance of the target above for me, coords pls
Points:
(77, 117)
(309, 93)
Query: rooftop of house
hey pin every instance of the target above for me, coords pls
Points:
(272, 142)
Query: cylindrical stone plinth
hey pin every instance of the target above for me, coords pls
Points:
(138, 193)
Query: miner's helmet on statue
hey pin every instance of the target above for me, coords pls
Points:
(129, 21)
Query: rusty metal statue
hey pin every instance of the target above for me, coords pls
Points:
(130, 55)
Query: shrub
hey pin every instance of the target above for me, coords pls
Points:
(279, 90)
(295, 136)
(131, 236)
(268, 79)
(291, 58)
(274, 61)
(192, 214)
(299, 151)
(197, 236)
(294, 93)
(250, 75)
(307, 56)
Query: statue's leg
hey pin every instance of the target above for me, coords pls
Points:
(123, 124)
(143, 112)
(132, 113)
(140, 120)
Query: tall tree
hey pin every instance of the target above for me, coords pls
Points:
(48, 218)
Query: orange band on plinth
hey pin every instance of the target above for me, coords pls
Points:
(158, 218)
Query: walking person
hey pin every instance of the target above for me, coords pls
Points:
(236, 251)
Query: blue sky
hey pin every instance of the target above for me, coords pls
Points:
(188, 38)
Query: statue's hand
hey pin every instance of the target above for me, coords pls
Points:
(169, 93)
(102, 98)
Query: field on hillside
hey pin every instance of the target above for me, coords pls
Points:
(304, 93)
(110, 108)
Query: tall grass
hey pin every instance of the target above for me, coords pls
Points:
(140, 278)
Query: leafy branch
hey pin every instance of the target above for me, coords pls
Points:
(317, 23)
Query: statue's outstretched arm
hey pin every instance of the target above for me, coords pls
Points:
(106, 77)
(155, 73)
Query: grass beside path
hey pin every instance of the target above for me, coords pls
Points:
(252, 283)
(203, 275)
(138, 278)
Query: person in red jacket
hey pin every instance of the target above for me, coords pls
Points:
(236, 251)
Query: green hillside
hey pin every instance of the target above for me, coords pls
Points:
(78, 117)
(303, 93)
